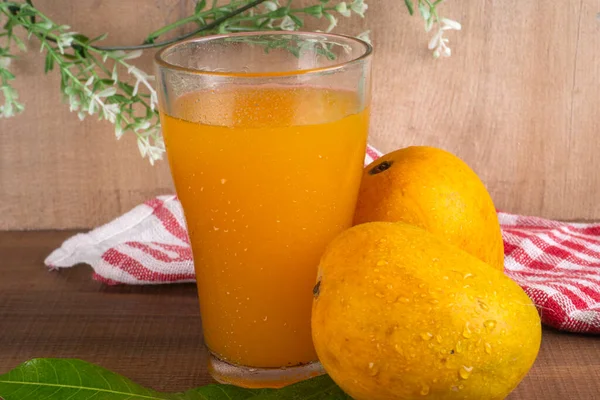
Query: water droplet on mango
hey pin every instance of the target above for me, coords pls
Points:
(488, 348)
(489, 325)
(467, 332)
(483, 305)
(465, 372)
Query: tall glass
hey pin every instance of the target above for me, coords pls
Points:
(266, 135)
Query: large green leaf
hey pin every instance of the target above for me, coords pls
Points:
(70, 379)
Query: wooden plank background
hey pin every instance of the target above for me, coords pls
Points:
(518, 101)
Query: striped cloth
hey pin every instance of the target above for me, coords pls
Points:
(556, 263)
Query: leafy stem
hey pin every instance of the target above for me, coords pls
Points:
(103, 81)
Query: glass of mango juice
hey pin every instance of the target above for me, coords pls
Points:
(265, 134)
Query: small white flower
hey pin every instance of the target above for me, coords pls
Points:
(117, 54)
(5, 62)
(438, 43)
(118, 131)
(115, 75)
(435, 40)
(451, 24)
(429, 24)
(132, 54)
(109, 91)
(342, 8)
(270, 5)
(111, 111)
(332, 22)
(92, 105)
(138, 73)
(424, 11)
(64, 40)
(287, 24)
(143, 147)
(366, 36)
(142, 126)
(153, 100)
(73, 104)
(359, 7)
(46, 25)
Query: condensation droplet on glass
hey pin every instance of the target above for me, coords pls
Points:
(223, 181)
(265, 318)
(215, 228)
(426, 336)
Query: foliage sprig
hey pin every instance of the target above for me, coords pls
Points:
(103, 81)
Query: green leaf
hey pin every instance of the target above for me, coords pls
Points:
(297, 20)
(60, 379)
(49, 63)
(315, 11)
(98, 38)
(127, 88)
(54, 379)
(424, 11)
(200, 6)
(319, 388)
(409, 5)
(81, 38)
(279, 13)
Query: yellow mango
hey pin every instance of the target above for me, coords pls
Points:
(437, 191)
(400, 314)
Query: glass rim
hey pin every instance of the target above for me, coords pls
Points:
(161, 62)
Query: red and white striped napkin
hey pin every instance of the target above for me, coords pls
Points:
(556, 263)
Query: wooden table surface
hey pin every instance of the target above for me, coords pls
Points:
(153, 334)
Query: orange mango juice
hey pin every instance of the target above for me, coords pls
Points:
(267, 176)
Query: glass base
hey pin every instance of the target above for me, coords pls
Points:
(248, 377)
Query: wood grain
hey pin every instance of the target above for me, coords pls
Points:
(518, 101)
(153, 334)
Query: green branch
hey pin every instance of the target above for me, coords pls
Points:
(102, 81)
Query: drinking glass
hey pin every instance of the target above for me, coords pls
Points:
(265, 134)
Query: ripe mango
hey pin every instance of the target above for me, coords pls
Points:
(437, 191)
(400, 314)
